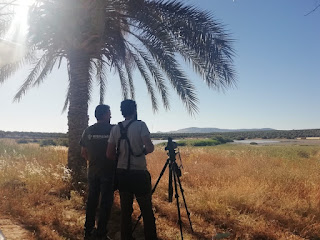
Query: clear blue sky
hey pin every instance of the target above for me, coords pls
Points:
(277, 63)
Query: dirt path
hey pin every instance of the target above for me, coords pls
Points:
(11, 231)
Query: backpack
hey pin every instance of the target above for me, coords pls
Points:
(123, 136)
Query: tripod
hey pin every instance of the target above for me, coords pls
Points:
(174, 176)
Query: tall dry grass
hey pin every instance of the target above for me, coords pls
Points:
(236, 191)
(34, 186)
(252, 192)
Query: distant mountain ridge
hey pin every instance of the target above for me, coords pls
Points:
(215, 130)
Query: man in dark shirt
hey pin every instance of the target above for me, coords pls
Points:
(94, 143)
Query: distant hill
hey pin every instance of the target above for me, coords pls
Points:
(217, 130)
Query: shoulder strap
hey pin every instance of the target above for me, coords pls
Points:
(124, 130)
(123, 136)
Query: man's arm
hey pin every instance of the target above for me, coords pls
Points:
(146, 140)
(111, 151)
(84, 153)
(149, 147)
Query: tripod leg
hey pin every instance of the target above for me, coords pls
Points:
(161, 173)
(185, 203)
(154, 188)
(170, 188)
(177, 198)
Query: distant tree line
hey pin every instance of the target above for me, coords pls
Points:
(31, 135)
(272, 134)
(238, 135)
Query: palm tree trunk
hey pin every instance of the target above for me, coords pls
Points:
(79, 72)
(79, 64)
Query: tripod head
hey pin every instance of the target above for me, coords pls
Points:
(171, 148)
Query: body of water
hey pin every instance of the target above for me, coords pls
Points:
(259, 141)
(157, 141)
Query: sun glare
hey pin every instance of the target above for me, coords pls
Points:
(19, 25)
(12, 43)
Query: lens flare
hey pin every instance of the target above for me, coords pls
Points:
(12, 44)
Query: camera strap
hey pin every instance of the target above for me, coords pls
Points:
(124, 136)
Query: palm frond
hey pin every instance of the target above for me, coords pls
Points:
(37, 74)
(114, 47)
(101, 78)
(66, 102)
(167, 62)
(90, 81)
(145, 76)
(149, 25)
(128, 67)
(123, 80)
(157, 76)
(199, 39)
(47, 69)
(7, 70)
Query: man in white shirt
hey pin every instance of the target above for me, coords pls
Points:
(129, 142)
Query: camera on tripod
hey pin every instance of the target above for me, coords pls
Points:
(172, 152)
(171, 145)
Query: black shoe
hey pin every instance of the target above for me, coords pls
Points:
(104, 237)
(90, 235)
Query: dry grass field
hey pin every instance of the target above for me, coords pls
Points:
(232, 192)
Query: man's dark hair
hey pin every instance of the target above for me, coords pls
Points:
(100, 111)
(128, 107)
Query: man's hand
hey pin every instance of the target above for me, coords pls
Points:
(149, 147)
(111, 151)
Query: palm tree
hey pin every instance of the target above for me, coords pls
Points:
(95, 36)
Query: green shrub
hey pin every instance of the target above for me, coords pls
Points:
(221, 139)
(240, 138)
(22, 141)
(48, 142)
(182, 143)
(62, 142)
(205, 142)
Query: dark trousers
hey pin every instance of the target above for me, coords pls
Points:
(99, 185)
(136, 183)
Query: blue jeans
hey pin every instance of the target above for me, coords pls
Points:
(99, 185)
